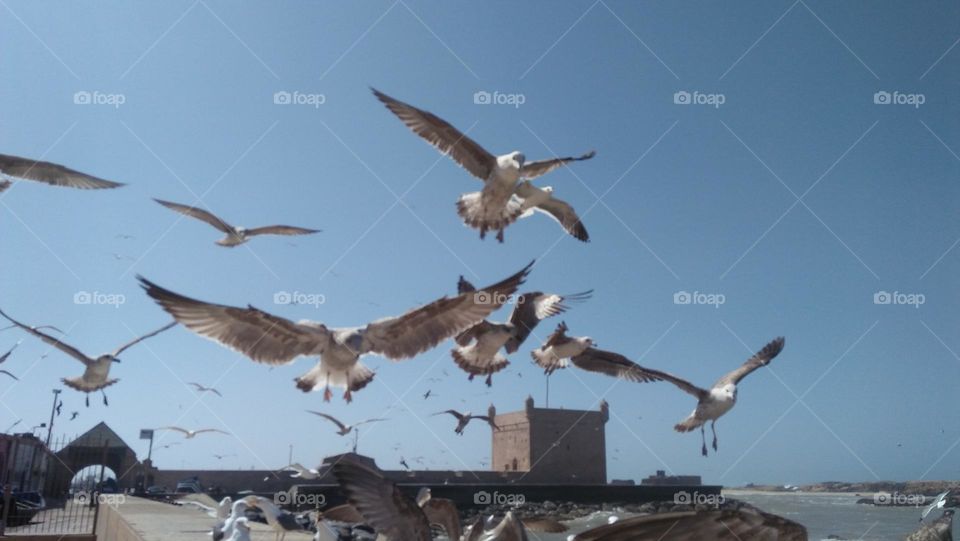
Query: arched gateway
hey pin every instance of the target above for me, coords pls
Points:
(98, 446)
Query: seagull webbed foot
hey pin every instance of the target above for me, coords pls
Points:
(489, 380)
(327, 394)
(347, 396)
(87, 400)
(500, 235)
(703, 451)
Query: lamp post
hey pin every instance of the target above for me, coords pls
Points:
(53, 410)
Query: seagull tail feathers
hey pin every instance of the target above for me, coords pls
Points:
(689, 424)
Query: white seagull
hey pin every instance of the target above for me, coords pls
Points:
(301, 472)
(225, 527)
(275, 340)
(235, 235)
(95, 376)
(501, 201)
(48, 173)
(241, 530)
(190, 434)
(204, 389)
(343, 429)
(463, 419)
(714, 402)
(560, 350)
(6, 356)
(477, 351)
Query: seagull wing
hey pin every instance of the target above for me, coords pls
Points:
(727, 524)
(455, 413)
(199, 214)
(464, 285)
(215, 430)
(330, 418)
(6, 355)
(535, 169)
(544, 525)
(439, 133)
(367, 421)
(4, 184)
(9, 374)
(183, 431)
(382, 505)
(122, 348)
(761, 358)
(683, 384)
(559, 210)
(66, 348)
(533, 307)
(423, 328)
(261, 336)
(280, 230)
(614, 365)
(51, 173)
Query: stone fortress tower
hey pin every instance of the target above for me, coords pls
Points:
(552, 445)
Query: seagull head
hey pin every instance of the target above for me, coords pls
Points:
(729, 391)
(107, 359)
(520, 159)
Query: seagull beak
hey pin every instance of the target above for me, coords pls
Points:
(116, 360)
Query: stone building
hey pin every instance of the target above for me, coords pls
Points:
(552, 445)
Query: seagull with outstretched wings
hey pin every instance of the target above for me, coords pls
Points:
(274, 340)
(560, 351)
(343, 429)
(499, 203)
(712, 403)
(463, 419)
(478, 348)
(204, 389)
(190, 434)
(97, 372)
(48, 173)
(235, 235)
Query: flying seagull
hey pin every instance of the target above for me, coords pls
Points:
(502, 199)
(95, 376)
(477, 351)
(939, 502)
(190, 434)
(203, 389)
(714, 402)
(463, 419)
(48, 173)
(744, 523)
(235, 235)
(343, 429)
(560, 350)
(275, 340)
(74, 415)
(300, 472)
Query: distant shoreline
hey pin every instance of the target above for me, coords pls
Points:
(928, 488)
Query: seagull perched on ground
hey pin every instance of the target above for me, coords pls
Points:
(463, 419)
(300, 472)
(281, 521)
(225, 527)
(241, 530)
(97, 370)
(275, 340)
(714, 402)
(502, 199)
(48, 173)
(560, 350)
(343, 429)
(744, 523)
(235, 235)
(477, 351)
(190, 434)
(202, 389)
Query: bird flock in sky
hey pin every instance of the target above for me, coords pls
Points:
(481, 346)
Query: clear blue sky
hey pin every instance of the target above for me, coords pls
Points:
(694, 198)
